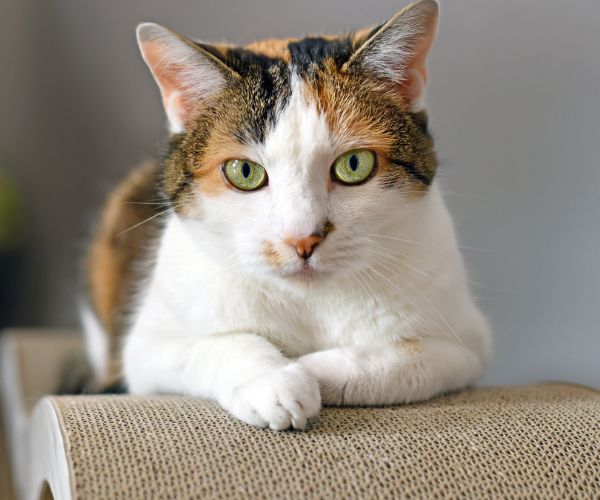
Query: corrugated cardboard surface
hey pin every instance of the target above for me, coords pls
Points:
(538, 441)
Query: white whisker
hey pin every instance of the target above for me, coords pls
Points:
(420, 274)
(438, 313)
(147, 220)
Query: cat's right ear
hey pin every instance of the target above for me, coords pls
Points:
(188, 76)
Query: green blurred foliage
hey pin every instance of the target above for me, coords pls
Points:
(13, 227)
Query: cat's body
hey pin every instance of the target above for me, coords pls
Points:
(335, 277)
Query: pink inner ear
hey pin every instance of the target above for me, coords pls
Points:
(168, 77)
(416, 67)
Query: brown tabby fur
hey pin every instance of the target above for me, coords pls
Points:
(115, 260)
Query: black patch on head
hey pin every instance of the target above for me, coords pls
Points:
(265, 88)
(310, 52)
(421, 120)
(266, 81)
(242, 61)
(412, 171)
(413, 152)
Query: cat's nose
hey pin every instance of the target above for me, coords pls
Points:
(304, 246)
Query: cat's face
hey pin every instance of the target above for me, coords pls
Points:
(287, 156)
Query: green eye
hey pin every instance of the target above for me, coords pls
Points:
(354, 166)
(245, 175)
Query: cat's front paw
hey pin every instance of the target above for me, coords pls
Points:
(278, 399)
(336, 372)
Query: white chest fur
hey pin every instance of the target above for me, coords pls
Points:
(205, 329)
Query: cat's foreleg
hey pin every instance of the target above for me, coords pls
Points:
(410, 370)
(243, 372)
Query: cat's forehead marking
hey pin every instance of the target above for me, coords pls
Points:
(267, 67)
(274, 49)
(301, 138)
(312, 52)
(298, 108)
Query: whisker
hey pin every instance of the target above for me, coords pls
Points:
(360, 279)
(403, 240)
(407, 298)
(256, 292)
(467, 268)
(417, 270)
(360, 283)
(438, 312)
(164, 203)
(147, 220)
(420, 261)
(375, 297)
(427, 246)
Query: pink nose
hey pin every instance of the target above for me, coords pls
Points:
(304, 246)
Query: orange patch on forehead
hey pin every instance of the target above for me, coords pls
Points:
(340, 98)
(363, 113)
(359, 37)
(271, 48)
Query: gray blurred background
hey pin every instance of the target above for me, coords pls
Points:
(514, 100)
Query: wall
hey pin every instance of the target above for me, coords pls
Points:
(514, 105)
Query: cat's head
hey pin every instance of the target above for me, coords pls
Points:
(286, 156)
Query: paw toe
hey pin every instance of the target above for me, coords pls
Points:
(280, 399)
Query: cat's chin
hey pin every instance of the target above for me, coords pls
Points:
(303, 277)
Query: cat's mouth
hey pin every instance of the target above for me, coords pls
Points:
(305, 273)
(292, 267)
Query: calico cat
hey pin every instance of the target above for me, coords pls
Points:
(302, 254)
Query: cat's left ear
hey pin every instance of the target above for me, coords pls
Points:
(398, 50)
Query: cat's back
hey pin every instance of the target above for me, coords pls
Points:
(121, 249)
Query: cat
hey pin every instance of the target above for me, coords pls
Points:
(293, 248)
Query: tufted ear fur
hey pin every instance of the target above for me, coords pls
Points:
(398, 50)
(187, 75)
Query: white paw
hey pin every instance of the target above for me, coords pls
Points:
(278, 399)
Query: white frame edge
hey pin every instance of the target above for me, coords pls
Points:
(36, 444)
(15, 416)
(47, 455)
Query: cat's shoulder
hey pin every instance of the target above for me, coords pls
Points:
(127, 224)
